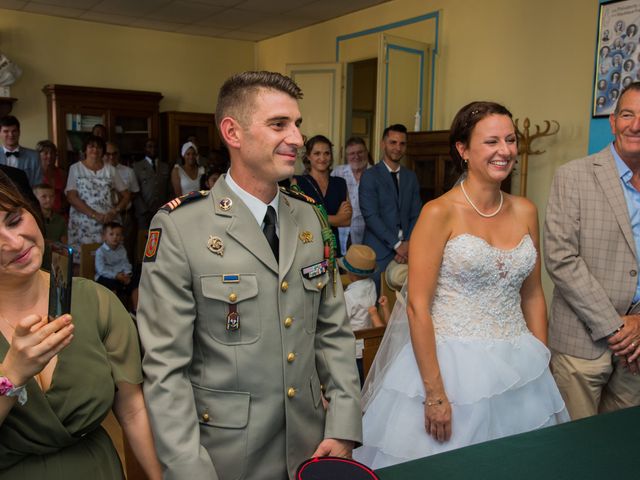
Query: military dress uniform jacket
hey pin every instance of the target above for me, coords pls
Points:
(243, 402)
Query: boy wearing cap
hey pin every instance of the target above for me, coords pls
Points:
(360, 295)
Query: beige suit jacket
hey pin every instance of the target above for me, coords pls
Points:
(243, 403)
(590, 255)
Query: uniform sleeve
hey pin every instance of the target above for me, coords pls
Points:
(166, 317)
(119, 337)
(335, 359)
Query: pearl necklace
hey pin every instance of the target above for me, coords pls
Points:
(485, 215)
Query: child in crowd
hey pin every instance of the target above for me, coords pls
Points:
(209, 177)
(360, 295)
(113, 269)
(54, 224)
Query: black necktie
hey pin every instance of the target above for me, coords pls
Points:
(12, 154)
(270, 222)
(395, 181)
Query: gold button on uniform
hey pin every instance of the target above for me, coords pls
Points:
(291, 392)
(233, 297)
(319, 285)
(291, 357)
(284, 286)
(288, 322)
(205, 417)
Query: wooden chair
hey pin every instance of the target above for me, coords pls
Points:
(372, 338)
(88, 260)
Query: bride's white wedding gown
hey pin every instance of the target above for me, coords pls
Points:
(495, 371)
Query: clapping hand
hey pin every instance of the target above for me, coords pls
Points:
(35, 342)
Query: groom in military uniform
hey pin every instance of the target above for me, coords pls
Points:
(241, 317)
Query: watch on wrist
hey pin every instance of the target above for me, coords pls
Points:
(8, 389)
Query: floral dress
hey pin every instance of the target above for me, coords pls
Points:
(96, 189)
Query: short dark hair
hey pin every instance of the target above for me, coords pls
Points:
(11, 199)
(238, 92)
(396, 127)
(9, 121)
(94, 140)
(111, 225)
(633, 86)
(43, 145)
(465, 121)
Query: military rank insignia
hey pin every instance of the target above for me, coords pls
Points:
(315, 270)
(184, 199)
(153, 242)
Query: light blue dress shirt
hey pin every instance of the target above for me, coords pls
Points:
(632, 196)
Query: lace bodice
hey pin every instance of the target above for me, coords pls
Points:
(478, 291)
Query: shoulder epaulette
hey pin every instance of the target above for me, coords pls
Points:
(296, 193)
(184, 199)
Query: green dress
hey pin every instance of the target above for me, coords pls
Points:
(57, 434)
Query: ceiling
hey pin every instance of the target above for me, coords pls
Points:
(251, 20)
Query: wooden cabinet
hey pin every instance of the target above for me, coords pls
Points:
(428, 156)
(178, 127)
(130, 116)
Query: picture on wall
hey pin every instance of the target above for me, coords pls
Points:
(618, 53)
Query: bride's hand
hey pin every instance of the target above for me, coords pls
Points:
(437, 418)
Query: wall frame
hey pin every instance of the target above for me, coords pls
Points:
(617, 53)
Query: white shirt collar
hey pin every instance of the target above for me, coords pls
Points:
(389, 168)
(150, 160)
(7, 150)
(256, 206)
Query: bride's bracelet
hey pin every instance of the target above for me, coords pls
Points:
(437, 401)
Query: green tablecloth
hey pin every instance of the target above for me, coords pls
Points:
(592, 448)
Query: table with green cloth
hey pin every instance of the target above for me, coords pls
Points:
(592, 448)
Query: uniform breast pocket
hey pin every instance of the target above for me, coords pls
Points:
(231, 310)
(312, 298)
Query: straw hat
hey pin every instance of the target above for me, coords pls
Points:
(360, 260)
(396, 274)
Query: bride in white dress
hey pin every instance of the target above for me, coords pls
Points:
(475, 367)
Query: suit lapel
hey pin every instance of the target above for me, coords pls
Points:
(243, 228)
(609, 179)
(388, 179)
(288, 233)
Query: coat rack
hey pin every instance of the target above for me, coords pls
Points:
(525, 139)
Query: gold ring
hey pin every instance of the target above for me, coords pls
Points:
(633, 344)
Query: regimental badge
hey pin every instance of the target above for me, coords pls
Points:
(215, 245)
(225, 203)
(315, 270)
(233, 318)
(153, 242)
(306, 236)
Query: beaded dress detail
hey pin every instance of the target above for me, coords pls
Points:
(495, 372)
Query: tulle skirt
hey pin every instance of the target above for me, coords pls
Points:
(496, 388)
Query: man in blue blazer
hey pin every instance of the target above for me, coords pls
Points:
(390, 201)
(13, 155)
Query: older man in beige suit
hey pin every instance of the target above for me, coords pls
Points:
(592, 246)
(243, 325)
